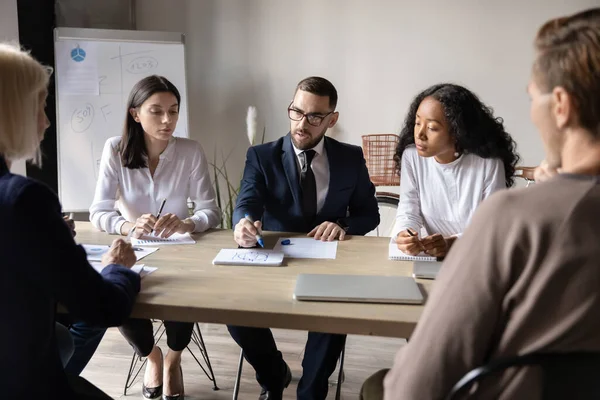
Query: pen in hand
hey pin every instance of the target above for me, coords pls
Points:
(162, 205)
(414, 235)
(259, 237)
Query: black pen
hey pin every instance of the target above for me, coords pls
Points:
(413, 235)
(160, 211)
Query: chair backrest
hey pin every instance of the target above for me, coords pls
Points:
(379, 152)
(564, 375)
(525, 173)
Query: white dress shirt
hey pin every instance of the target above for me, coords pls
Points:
(124, 194)
(320, 167)
(443, 197)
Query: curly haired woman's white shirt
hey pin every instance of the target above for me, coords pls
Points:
(443, 197)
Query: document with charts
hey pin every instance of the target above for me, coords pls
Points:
(151, 240)
(248, 257)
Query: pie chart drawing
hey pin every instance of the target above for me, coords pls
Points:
(78, 54)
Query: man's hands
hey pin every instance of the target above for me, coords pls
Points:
(70, 223)
(245, 232)
(327, 232)
(120, 253)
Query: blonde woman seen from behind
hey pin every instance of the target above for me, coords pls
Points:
(35, 276)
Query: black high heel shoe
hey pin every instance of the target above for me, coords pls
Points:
(180, 396)
(153, 392)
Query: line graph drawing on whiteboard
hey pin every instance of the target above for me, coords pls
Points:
(82, 118)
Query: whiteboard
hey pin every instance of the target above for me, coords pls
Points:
(95, 70)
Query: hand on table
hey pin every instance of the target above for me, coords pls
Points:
(409, 244)
(245, 232)
(120, 253)
(435, 245)
(327, 232)
(71, 224)
(169, 224)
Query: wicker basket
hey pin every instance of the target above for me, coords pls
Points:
(379, 152)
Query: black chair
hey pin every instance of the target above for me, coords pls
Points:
(338, 383)
(196, 339)
(564, 375)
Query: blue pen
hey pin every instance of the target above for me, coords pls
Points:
(285, 242)
(259, 237)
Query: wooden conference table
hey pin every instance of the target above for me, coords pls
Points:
(187, 287)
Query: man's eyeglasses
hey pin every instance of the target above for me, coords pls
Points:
(312, 119)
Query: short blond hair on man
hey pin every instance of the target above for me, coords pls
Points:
(22, 81)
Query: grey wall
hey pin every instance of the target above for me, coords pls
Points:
(378, 53)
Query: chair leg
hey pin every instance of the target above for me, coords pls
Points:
(199, 342)
(338, 391)
(134, 360)
(131, 377)
(236, 386)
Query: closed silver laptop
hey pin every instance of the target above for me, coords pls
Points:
(426, 269)
(358, 289)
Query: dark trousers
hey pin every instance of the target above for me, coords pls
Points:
(320, 360)
(84, 390)
(140, 335)
(138, 332)
(86, 339)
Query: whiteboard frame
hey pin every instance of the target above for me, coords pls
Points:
(113, 35)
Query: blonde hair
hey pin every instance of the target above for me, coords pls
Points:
(22, 81)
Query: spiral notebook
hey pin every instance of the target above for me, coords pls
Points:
(151, 240)
(397, 255)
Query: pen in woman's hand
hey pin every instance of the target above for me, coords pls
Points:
(160, 211)
(418, 241)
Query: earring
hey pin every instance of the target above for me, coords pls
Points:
(456, 154)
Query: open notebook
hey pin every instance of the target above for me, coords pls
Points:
(395, 254)
(151, 240)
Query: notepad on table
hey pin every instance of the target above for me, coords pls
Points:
(96, 251)
(151, 240)
(396, 254)
(258, 257)
(140, 269)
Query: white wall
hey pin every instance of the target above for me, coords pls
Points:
(9, 31)
(378, 53)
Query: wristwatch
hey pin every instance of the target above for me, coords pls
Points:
(342, 224)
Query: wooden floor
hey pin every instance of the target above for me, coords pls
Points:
(364, 356)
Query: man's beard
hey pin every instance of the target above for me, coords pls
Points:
(311, 143)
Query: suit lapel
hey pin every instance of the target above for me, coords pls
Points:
(290, 167)
(336, 174)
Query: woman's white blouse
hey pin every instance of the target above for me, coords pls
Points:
(124, 194)
(443, 197)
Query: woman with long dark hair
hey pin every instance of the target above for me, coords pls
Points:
(453, 153)
(138, 170)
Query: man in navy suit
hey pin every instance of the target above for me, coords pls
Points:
(303, 182)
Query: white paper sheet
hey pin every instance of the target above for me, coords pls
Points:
(176, 238)
(307, 248)
(77, 68)
(95, 252)
(142, 269)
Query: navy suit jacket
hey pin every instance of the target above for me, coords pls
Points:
(40, 266)
(270, 189)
